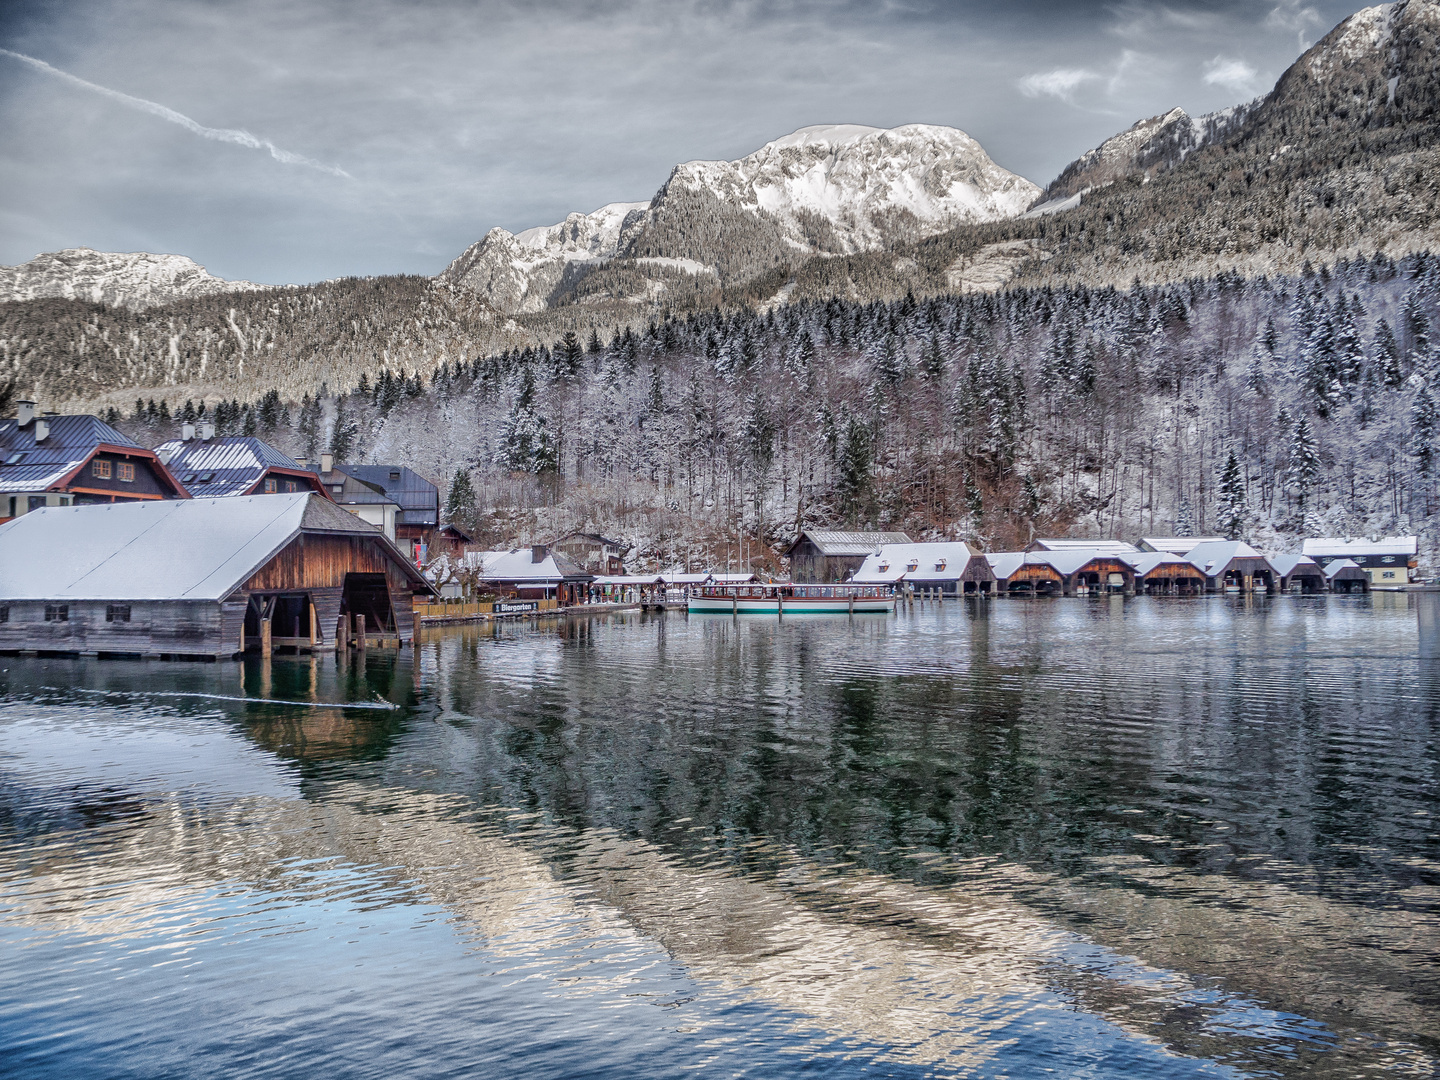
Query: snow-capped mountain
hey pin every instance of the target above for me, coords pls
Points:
(1149, 146)
(134, 279)
(834, 189)
(865, 183)
(519, 271)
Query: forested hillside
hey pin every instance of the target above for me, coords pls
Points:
(996, 418)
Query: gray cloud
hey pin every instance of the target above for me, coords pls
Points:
(457, 115)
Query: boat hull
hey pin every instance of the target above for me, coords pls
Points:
(810, 605)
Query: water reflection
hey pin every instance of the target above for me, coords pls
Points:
(1136, 838)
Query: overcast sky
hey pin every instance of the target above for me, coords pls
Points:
(296, 140)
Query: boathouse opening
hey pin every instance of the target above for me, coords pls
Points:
(368, 595)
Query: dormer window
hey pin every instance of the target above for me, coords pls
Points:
(884, 566)
(910, 568)
(15, 459)
(940, 565)
(394, 474)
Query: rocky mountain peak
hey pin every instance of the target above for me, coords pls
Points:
(122, 279)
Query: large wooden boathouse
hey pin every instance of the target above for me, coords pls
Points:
(200, 578)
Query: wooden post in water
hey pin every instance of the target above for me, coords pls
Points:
(734, 604)
(852, 604)
(266, 649)
(342, 633)
(360, 641)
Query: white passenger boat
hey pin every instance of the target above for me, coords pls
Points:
(787, 598)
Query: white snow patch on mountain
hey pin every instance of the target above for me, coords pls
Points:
(122, 279)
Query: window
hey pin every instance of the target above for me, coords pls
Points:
(189, 478)
(940, 565)
(37, 502)
(117, 613)
(127, 471)
(206, 477)
(269, 485)
(57, 612)
(884, 566)
(911, 567)
(337, 488)
(15, 459)
(394, 474)
(101, 468)
(290, 485)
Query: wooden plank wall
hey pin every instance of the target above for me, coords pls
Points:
(176, 627)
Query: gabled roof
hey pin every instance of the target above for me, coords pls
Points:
(1214, 557)
(926, 558)
(232, 465)
(26, 465)
(1003, 564)
(418, 498)
(1285, 565)
(1147, 562)
(1177, 545)
(517, 565)
(1059, 544)
(836, 542)
(1068, 561)
(1345, 546)
(190, 549)
(1334, 569)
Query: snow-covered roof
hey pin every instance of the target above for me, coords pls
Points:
(185, 549)
(838, 542)
(1333, 569)
(1003, 564)
(1110, 547)
(685, 579)
(1214, 557)
(518, 566)
(1286, 564)
(1069, 560)
(629, 579)
(944, 561)
(730, 579)
(27, 465)
(1177, 545)
(1147, 562)
(1345, 546)
(221, 467)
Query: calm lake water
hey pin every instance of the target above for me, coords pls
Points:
(1087, 838)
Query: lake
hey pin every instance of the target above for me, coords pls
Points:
(1012, 838)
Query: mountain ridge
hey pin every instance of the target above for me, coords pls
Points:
(122, 279)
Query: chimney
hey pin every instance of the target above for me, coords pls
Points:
(327, 463)
(25, 412)
(42, 429)
(207, 430)
(301, 462)
(165, 455)
(537, 553)
(187, 432)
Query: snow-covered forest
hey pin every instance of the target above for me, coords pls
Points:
(1268, 407)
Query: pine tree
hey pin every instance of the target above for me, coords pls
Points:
(248, 426)
(1387, 356)
(1422, 432)
(344, 432)
(569, 356)
(1303, 467)
(1231, 507)
(1255, 380)
(460, 503)
(525, 444)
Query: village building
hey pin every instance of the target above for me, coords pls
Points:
(1346, 576)
(594, 553)
(943, 570)
(1024, 573)
(238, 465)
(366, 501)
(1391, 560)
(1089, 570)
(627, 589)
(821, 555)
(529, 574)
(1298, 573)
(79, 459)
(1234, 564)
(1177, 545)
(200, 578)
(416, 499)
(1163, 573)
